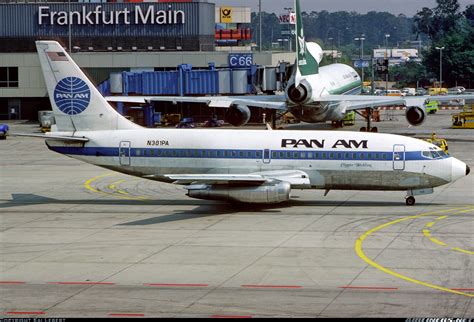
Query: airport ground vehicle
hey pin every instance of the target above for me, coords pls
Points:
(437, 91)
(465, 119)
(3, 131)
(349, 120)
(457, 90)
(46, 120)
(441, 143)
(393, 92)
(432, 107)
(408, 91)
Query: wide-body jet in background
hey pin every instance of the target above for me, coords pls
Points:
(313, 94)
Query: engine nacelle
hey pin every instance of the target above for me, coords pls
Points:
(238, 115)
(415, 115)
(299, 95)
(265, 194)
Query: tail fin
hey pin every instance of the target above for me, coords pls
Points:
(77, 104)
(306, 63)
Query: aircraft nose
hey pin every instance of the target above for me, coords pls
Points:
(459, 170)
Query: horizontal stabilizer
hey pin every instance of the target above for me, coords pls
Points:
(53, 137)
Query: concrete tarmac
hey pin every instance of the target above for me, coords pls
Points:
(80, 241)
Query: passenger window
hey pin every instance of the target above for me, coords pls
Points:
(377, 156)
(295, 155)
(259, 154)
(282, 155)
(354, 156)
(324, 155)
(310, 155)
(138, 153)
(303, 155)
(346, 156)
(331, 156)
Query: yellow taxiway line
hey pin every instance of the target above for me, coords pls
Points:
(360, 241)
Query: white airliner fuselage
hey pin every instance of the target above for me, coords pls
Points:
(304, 159)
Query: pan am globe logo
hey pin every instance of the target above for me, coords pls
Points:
(72, 95)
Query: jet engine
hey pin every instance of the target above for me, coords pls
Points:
(238, 115)
(264, 194)
(415, 115)
(299, 95)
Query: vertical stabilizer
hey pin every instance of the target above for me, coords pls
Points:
(77, 104)
(306, 63)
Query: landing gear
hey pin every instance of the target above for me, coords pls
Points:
(368, 117)
(410, 201)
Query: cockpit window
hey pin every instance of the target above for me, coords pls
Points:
(434, 154)
(427, 154)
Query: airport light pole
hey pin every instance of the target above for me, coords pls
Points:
(290, 10)
(386, 57)
(440, 68)
(260, 25)
(361, 39)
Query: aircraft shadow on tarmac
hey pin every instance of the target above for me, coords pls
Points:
(203, 208)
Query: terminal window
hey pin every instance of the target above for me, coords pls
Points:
(8, 77)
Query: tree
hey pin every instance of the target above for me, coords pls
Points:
(438, 21)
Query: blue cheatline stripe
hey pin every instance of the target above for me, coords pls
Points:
(241, 154)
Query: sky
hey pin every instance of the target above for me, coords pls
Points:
(407, 7)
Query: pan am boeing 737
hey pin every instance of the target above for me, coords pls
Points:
(313, 94)
(233, 165)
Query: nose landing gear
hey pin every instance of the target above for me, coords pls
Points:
(410, 201)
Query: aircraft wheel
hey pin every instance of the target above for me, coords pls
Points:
(410, 201)
(363, 129)
(374, 130)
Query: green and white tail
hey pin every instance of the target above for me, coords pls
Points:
(306, 63)
(77, 104)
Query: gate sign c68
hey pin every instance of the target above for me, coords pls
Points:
(240, 60)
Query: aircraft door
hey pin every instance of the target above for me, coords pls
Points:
(398, 157)
(267, 156)
(124, 153)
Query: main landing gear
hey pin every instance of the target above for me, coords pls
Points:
(368, 117)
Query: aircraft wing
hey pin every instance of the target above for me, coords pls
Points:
(357, 102)
(294, 177)
(275, 102)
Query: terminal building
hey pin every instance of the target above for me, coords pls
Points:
(118, 43)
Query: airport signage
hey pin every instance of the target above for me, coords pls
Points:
(226, 15)
(361, 63)
(98, 16)
(240, 60)
(287, 18)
